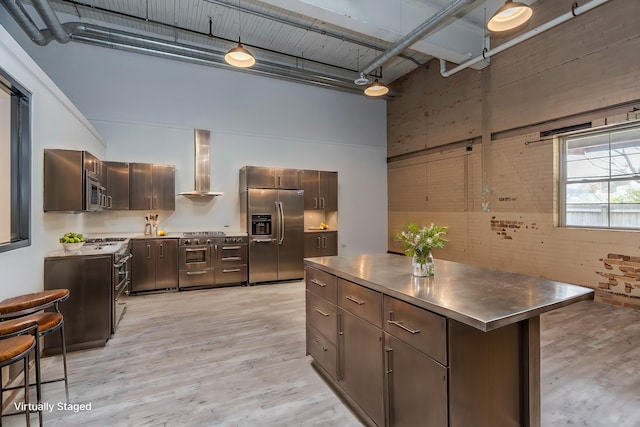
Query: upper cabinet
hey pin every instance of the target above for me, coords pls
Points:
(117, 178)
(320, 190)
(152, 187)
(72, 181)
(263, 177)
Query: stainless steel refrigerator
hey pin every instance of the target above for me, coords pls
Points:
(274, 220)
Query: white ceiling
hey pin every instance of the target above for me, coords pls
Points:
(332, 38)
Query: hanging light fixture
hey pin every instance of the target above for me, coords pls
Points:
(239, 56)
(376, 89)
(510, 16)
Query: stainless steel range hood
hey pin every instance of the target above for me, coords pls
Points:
(202, 169)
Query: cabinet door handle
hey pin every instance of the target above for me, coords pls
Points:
(230, 270)
(161, 250)
(400, 324)
(231, 258)
(321, 202)
(340, 347)
(321, 312)
(315, 203)
(354, 299)
(317, 282)
(148, 251)
(324, 243)
(388, 370)
(319, 242)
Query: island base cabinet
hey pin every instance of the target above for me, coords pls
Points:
(360, 364)
(416, 387)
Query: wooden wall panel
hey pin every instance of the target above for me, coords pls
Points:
(446, 186)
(406, 187)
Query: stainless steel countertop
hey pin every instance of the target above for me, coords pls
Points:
(88, 250)
(479, 297)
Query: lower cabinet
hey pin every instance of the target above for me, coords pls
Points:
(154, 264)
(416, 387)
(360, 364)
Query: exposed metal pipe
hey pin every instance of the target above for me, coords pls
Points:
(416, 34)
(130, 42)
(50, 19)
(521, 38)
(16, 10)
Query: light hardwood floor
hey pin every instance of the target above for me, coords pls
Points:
(236, 357)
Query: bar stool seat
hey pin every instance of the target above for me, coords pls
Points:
(29, 308)
(17, 341)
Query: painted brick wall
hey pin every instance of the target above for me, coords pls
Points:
(499, 200)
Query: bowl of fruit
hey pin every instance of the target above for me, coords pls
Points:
(72, 241)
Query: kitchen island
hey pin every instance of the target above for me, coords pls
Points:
(458, 349)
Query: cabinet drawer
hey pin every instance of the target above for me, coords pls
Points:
(321, 283)
(322, 315)
(418, 327)
(231, 255)
(362, 302)
(231, 274)
(322, 350)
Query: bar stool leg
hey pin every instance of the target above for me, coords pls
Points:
(64, 360)
(38, 381)
(27, 412)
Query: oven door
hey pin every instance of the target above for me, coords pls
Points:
(195, 257)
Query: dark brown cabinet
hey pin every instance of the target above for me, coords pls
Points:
(320, 190)
(152, 187)
(320, 243)
(117, 179)
(360, 364)
(154, 265)
(416, 386)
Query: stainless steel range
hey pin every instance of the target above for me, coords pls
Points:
(212, 258)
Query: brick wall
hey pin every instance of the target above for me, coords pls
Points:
(466, 151)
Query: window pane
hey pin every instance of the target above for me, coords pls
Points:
(587, 157)
(625, 152)
(625, 204)
(587, 204)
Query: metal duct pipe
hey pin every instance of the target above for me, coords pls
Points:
(418, 33)
(51, 20)
(523, 37)
(16, 10)
(130, 42)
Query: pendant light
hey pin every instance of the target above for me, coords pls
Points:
(510, 16)
(376, 89)
(239, 56)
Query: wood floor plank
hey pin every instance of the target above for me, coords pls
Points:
(236, 357)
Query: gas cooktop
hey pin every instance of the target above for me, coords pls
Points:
(204, 234)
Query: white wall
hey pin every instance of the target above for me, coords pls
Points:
(55, 123)
(145, 108)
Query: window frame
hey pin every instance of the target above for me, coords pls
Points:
(20, 143)
(563, 181)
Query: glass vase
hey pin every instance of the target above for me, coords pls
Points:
(425, 269)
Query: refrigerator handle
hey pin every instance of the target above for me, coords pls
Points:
(281, 223)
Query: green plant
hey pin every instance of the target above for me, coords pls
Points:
(419, 241)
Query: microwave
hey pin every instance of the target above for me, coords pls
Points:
(95, 194)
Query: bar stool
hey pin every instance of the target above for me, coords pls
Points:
(17, 342)
(29, 307)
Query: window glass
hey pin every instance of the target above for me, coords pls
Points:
(5, 165)
(600, 180)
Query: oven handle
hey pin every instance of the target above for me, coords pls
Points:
(123, 261)
(121, 284)
(203, 248)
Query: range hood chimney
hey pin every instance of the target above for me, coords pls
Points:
(202, 169)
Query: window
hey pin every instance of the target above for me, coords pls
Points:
(15, 164)
(600, 178)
